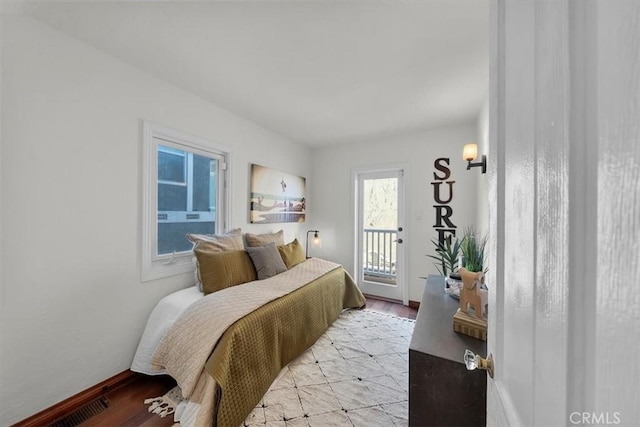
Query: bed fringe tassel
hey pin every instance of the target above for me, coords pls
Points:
(165, 405)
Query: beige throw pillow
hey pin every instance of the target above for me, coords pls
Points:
(255, 240)
(224, 242)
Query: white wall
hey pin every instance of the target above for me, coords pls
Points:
(73, 306)
(333, 203)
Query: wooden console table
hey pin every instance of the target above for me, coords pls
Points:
(442, 392)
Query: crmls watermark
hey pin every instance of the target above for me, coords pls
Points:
(599, 418)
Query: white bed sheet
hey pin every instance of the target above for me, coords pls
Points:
(161, 318)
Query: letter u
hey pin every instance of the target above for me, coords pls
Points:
(436, 192)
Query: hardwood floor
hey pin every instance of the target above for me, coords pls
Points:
(391, 308)
(127, 406)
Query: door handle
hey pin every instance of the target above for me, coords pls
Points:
(398, 240)
(473, 361)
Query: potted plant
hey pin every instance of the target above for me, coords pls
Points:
(446, 255)
(472, 248)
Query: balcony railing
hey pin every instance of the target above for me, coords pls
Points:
(379, 254)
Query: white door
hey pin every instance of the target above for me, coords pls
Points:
(564, 194)
(380, 233)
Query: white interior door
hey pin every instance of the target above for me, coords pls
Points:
(380, 233)
(564, 202)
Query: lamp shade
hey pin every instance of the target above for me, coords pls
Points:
(470, 152)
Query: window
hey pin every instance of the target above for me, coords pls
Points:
(184, 192)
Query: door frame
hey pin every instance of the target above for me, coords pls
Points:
(403, 208)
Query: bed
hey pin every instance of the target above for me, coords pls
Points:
(225, 349)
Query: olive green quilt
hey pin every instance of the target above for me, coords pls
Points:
(226, 350)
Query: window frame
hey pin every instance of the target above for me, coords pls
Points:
(156, 266)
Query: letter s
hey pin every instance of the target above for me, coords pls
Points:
(616, 418)
(441, 164)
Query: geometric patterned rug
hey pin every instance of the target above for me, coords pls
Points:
(356, 374)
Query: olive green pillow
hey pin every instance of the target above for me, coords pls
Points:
(292, 253)
(220, 270)
(255, 240)
(216, 242)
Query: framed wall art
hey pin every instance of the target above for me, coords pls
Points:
(276, 196)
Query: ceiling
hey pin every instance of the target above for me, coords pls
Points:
(317, 72)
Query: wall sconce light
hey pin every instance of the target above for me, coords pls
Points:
(470, 153)
(316, 241)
